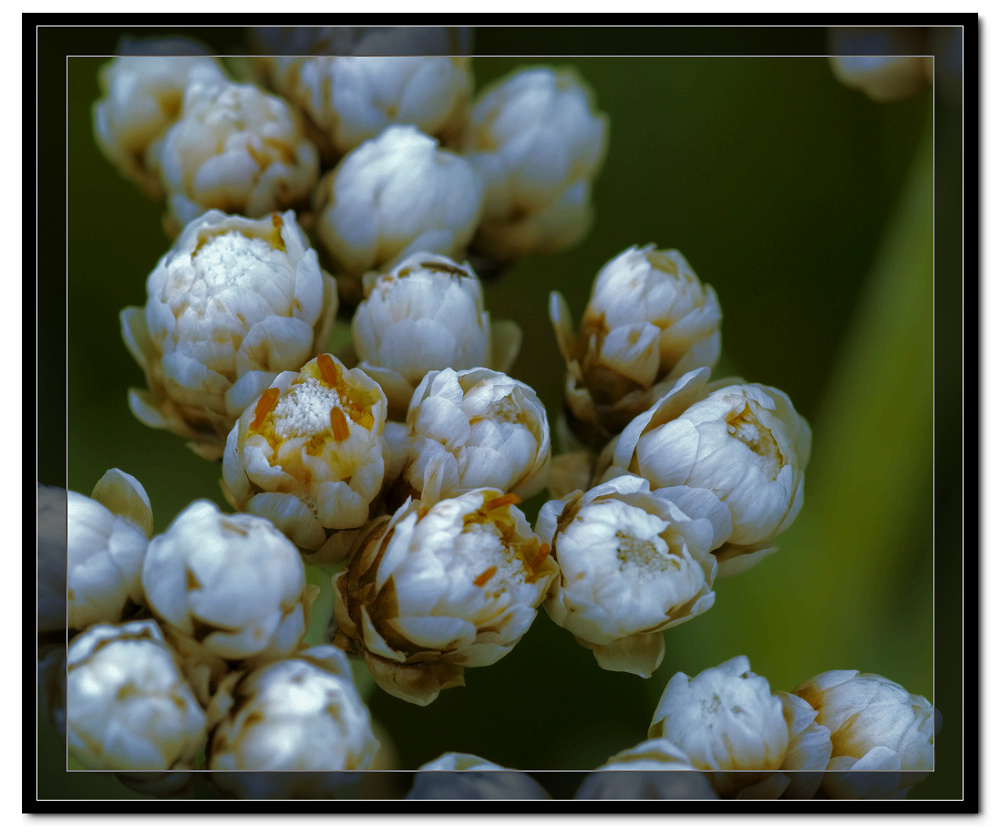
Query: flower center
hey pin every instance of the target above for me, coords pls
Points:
(746, 428)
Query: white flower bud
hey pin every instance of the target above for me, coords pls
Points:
(234, 148)
(51, 674)
(809, 747)
(105, 550)
(302, 713)
(653, 770)
(476, 428)
(725, 718)
(538, 143)
(362, 40)
(631, 564)
(309, 455)
(743, 442)
(232, 304)
(51, 569)
(231, 582)
(466, 777)
(141, 97)
(648, 322)
(875, 724)
(128, 707)
(434, 589)
(395, 195)
(352, 99)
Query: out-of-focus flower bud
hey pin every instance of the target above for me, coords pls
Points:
(745, 443)
(809, 747)
(309, 455)
(538, 142)
(649, 321)
(51, 509)
(876, 725)
(233, 583)
(352, 99)
(51, 673)
(885, 63)
(395, 195)
(234, 148)
(302, 713)
(361, 40)
(434, 589)
(725, 718)
(427, 314)
(106, 544)
(128, 707)
(141, 97)
(158, 784)
(232, 304)
(465, 777)
(476, 428)
(653, 770)
(632, 563)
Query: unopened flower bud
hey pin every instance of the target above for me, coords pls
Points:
(477, 428)
(649, 321)
(395, 195)
(631, 564)
(361, 40)
(233, 583)
(237, 149)
(294, 718)
(875, 725)
(141, 97)
(466, 777)
(232, 304)
(52, 503)
(128, 707)
(434, 589)
(309, 455)
(653, 770)
(745, 443)
(427, 314)
(538, 142)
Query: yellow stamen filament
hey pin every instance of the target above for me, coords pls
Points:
(265, 405)
(485, 577)
(501, 501)
(328, 370)
(543, 552)
(338, 422)
(277, 241)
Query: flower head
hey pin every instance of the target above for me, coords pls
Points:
(437, 588)
(653, 770)
(128, 707)
(538, 142)
(426, 314)
(477, 428)
(395, 195)
(455, 775)
(232, 304)
(309, 455)
(631, 564)
(234, 148)
(649, 320)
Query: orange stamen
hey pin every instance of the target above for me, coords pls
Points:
(328, 370)
(543, 552)
(338, 422)
(501, 501)
(485, 577)
(265, 405)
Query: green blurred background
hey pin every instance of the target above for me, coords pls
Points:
(809, 209)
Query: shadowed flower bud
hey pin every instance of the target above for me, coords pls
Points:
(361, 40)
(303, 714)
(128, 707)
(427, 314)
(395, 195)
(309, 455)
(538, 143)
(725, 718)
(880, 732)
(743, 442)
(477, 428)
(437, 588)
(232, 304)
(141, 97)
(653, 770)
(234, 148)
(107, 536)
(232, 583)
(885, 63)
(352, 99)
(649, 320)
(632, 563)
(465, 777)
